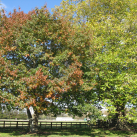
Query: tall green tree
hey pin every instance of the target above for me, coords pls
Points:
(39, 55)
(113, 25)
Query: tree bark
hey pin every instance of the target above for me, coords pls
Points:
(35, 121)
(30, 120)
(117, 122)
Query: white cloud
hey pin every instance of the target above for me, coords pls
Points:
(2, 5)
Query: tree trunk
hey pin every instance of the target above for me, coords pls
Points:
(35, 121)
(117, 122)
(30, 120)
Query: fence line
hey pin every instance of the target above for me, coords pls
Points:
(41, 124)
(47, 124)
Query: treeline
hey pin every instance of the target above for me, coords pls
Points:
(13, 114)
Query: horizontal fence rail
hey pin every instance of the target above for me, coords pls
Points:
(42, 124)
(14, 123)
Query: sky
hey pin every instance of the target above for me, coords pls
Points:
(28, 5)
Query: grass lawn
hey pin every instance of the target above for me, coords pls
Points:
(81, 132)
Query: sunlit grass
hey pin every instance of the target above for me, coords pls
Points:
(81, 132)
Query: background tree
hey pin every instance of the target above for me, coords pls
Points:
(91, 112)
(113, 24)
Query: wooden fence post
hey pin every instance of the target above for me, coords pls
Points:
(40, 124)
(29, 124)
(51, 125)
(4, 124)
(61, 125)
(17, 125)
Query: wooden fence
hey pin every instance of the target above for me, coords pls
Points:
(42, 124)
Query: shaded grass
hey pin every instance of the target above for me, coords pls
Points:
(80, 132)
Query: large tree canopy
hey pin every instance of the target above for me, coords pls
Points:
(113, 25)
(41, 58)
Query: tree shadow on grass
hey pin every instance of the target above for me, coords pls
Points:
(14, 131)
(91, 132)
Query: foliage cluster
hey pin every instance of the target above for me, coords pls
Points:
(113, 64)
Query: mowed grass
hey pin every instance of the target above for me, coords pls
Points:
(81, 132)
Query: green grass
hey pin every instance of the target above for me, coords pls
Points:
(81, 132)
